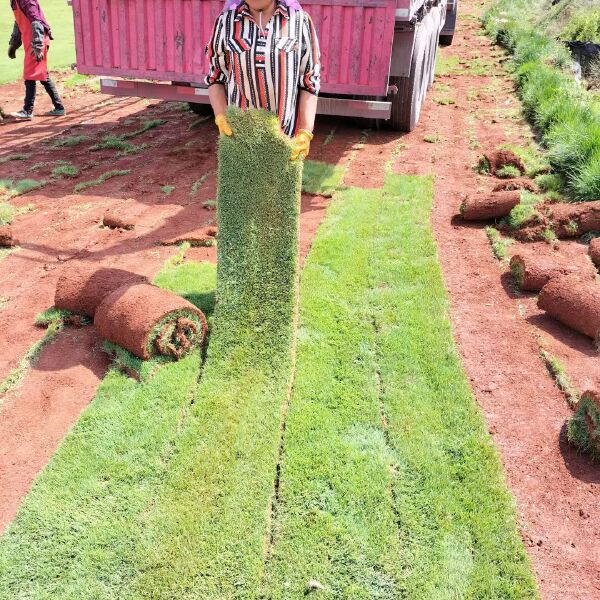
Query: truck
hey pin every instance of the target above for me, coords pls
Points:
(377, 56)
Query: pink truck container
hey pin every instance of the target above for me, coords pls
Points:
(378, 56)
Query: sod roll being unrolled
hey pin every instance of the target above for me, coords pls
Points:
(583, 429)
(482, 207)
(81, 288)
(206, 536)
(148, 321)
(574, 219)
(532, 270)
(574, 301)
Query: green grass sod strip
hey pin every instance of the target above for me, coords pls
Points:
(205, 537)
(321, 178)
(77, 532)
(390, 487)
(583, 428)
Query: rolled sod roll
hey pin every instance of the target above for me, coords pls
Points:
(594, 251)
(533, 270)
(81, 288)
(114, 220)
(573, 219)
(147, 320)
(573, 301)
(583, 429)
(481, 207)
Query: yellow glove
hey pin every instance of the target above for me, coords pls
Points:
(301, 144)
(223, 125)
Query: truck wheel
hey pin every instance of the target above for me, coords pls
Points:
(200, 109)
(446, 40)
(406, 104)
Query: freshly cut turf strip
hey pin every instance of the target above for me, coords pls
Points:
(206, 534)
(584, 426)
(75, 536)
(389, 486)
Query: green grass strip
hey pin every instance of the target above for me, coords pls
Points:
(321, 178)
(390, 486)
(77, 532)
(206, 535)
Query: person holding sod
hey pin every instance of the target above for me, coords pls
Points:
(265, 54)
(31, 30)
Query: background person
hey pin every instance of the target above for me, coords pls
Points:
(265, 54)
(33, 32)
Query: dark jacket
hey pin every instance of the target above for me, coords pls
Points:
(39, 26)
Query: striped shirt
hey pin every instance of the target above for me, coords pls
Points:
(265, 69)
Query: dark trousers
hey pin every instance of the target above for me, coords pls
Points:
(30, 94)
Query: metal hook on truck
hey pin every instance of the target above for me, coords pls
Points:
(377, 56)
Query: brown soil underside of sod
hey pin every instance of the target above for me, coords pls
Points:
(499, 347)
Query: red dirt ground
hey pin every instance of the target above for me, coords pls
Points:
(499, 334)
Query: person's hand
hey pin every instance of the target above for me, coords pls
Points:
(12, 52)
(38, 53)
(301, 144)
(223, 125)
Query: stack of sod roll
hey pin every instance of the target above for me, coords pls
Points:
(129, 311)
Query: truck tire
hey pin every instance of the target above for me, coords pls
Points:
(446, 40)
(406, 104)
(200, 109)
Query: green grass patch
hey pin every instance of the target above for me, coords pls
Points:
(9, 188)
(70, 141)
(583, 429)
(210, 204)
(199, 182)
(111, 142)
(432, 138)
(583, 26)
(390, 486)
(62, 50)
(79, 80)
(65, 171)
(12, 157)
(12, 380)
(55, 315)
(560, 377)
(550, 182)
(498, 243)
(444, 101)
(565, 115)
(167, 190)
(8, 212)
(145, 126)
(321, 178)
(84, 185)
(447, 65)
(508, 172)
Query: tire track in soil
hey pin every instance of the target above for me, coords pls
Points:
(557, 491)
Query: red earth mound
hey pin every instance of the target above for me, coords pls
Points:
(482, 207)
(147, 320)
(197, 237)
(571, 220)
(533, 270)
(114, 220)
(81, 288)
(503, 158)
(573, 301)
(6, 237)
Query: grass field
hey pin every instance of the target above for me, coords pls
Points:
(386, 484)
(62, 49)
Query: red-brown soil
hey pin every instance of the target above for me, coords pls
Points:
(499, 333)
(483, 207)
(128, 316)
(519, 183)
(198, 237)
(571, 220)
(533, 269)
(573, 301)
(115, 220)
(497, 159)
(82, 287)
